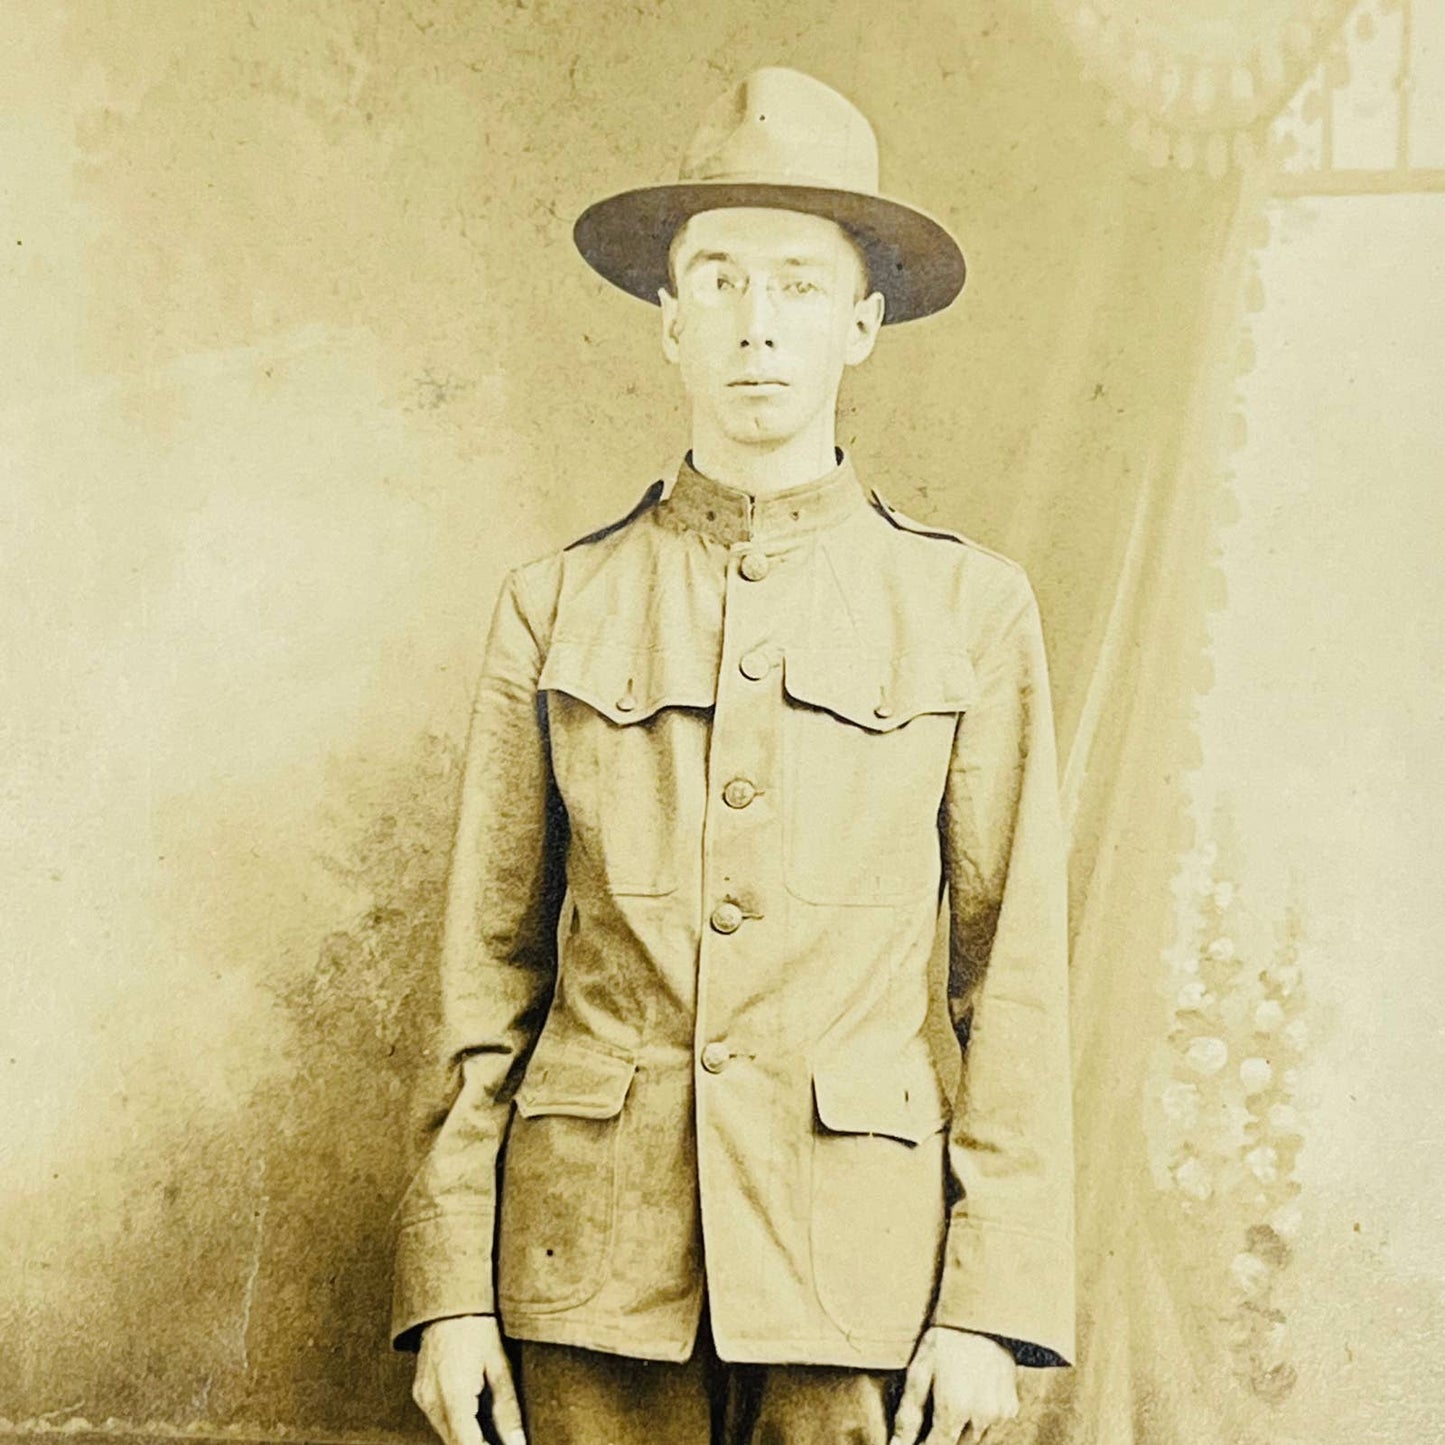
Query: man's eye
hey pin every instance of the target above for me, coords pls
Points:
(801, 288)
(724, 283)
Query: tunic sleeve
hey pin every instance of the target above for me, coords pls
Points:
(1008, 1268)
(498, 968)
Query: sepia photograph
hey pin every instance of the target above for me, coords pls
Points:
(722, 723)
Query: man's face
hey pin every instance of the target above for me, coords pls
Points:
(770, 306)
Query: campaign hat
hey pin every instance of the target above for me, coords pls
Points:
(781, 139)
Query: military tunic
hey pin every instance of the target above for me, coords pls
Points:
(727, 759)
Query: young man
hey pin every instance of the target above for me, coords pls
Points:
(726, 753)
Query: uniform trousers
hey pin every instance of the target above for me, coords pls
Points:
(573, 1396)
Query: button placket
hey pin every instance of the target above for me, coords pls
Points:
(739, 792)
(715, 1057)
(757, 662)
(742, 842)
(727, 917)
(755, 566)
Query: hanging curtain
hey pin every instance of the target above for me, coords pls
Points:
(1113, 515)
(1195, 80)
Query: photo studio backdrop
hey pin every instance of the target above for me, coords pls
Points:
(299, 358)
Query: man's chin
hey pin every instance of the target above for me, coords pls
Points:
(761, 426)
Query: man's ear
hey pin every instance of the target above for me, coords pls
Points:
(671, 323)
(863, 331)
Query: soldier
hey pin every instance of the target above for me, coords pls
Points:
(726, 755)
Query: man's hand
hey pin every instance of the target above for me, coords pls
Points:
(459, 1358)
(972, 1380)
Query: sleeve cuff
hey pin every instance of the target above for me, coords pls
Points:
(443, 1268)
(1012, 1285)
(1030, 1356)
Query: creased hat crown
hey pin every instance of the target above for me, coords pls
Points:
(782, 126)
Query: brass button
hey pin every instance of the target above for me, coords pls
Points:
(715, 1057)
(755, 566)
(755, 665)
(727, 917)
(739, 793)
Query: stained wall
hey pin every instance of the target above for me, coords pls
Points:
(297, 358)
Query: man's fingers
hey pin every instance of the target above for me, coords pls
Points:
(459, 1423)
(429, 1402)
(960, 1426)
(909, 1416)
(978, 1430)
(906, 1423)
(506, 1408)
(984, 1421)
(947, 1429)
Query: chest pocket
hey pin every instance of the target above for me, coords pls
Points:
(628, 729)
(866, 748)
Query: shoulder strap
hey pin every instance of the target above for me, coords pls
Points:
(905, 523)
(649, 499)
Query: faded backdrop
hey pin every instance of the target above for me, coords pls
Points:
(298, 358)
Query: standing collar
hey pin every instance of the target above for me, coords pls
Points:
(730, 514)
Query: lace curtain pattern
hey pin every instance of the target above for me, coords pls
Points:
(1187, 1038)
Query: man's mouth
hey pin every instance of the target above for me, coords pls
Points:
(759, 383)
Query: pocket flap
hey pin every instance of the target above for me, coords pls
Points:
(880, 693)
(628, 684)
(571, 1079)
(899, 1098)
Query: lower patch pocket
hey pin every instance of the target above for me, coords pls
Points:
(877, 1196)
(559, 1177)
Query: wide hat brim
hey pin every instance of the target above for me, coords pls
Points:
(912, 259)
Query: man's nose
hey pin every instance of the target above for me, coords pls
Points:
(759, 316)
